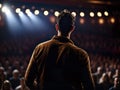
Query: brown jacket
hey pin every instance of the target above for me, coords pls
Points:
(58, 64)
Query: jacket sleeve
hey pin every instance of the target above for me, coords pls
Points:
(86, 75)
(31, 71)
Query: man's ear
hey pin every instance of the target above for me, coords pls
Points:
(56, 27)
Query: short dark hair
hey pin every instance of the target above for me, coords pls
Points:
(65, 21)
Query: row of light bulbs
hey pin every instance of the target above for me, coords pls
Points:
(56, 13)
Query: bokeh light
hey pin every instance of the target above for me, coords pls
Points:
(82, 14)
(92, 14)
(0, 5)
(5, 9)
(74, 14)
(46, 12)
(82, 21)
(52, 19)
(99, 14)
(101, 21)
(18, 10)
(36, 12)
(112, 20)
(106, 13)
(56, 13)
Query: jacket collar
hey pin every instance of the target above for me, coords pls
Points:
(62, 39)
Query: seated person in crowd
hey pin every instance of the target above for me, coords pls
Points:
(116, 83)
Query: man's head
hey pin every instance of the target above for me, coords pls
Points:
(6, 85)
(117, 81)
(15, 74)
(65, 22)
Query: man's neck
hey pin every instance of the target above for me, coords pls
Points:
(64, 35)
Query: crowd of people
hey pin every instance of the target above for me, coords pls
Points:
(104, 52)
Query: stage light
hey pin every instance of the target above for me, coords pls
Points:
(11, 19)
(112, 20)
(18, 10)
(99, 14)
(25, 21)
(56, 13)
(74, 14)
(82, 21)
(20, 14)
(5, 9)
(27, 11)
(101, 21)
(52, 19)
(106, 13)
(92, 14)
(36, 12)
(0, 5)
(29, 14)
(82, 14)
(46, 13)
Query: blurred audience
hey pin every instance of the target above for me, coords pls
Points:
(104, 53)
(116, 83)
(22, 85)
(97, 75)
(6, 85)
(2, 75)
(104, 83)
(15, 79)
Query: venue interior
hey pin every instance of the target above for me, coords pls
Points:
(26, 23)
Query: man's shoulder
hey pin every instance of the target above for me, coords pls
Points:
(78, 49)
(44, 43)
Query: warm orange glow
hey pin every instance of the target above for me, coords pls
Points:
(112, 20)
(101, 21)
(82, 21)
(52, 19)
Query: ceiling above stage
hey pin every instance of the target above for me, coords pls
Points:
(72, 2)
